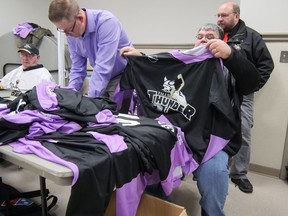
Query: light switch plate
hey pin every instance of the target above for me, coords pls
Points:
(284, 57)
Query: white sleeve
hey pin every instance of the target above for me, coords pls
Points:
(46, 75)
(9, 78)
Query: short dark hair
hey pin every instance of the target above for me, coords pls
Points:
(62, 10)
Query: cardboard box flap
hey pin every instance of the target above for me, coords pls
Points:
(150, 206)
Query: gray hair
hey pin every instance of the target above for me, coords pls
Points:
(213, 27)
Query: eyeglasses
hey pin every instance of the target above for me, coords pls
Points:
(68, 31)
(27, 55)
(224, 15)
(207, 36)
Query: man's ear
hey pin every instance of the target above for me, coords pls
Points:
(80, 17)
(238, 16)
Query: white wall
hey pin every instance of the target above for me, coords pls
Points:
(271, 114)
(14, 12)
(266, 16)
(271, 102)
(149, 21)
(160, 21)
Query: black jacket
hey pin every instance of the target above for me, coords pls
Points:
(251, 65)
(250, 43)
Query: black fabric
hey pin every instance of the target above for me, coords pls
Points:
(145, 139)
(11, 132)
(73, 106)
(15, 203)
(3, 100)
(251, 45)
(201, 86)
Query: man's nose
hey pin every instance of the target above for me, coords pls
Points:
(204, 40)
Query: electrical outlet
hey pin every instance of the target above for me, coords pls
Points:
(284, 57)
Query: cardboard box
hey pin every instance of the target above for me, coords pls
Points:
(150, 206)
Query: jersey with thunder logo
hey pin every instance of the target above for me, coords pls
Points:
(190, 89)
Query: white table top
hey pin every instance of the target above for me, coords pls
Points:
(59, 174)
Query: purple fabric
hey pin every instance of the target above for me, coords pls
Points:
(129, 195)
(114, 142)
(185, 56)
(69, 127)
(135, 106)
(181, 156)
(105, 116)
(45, 127)
(23, 29)
(43, 123)
(4, 110)
(30, 116)
(216, 144)
(25, 146)
(46, 95)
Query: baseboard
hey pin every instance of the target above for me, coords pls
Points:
(264, 170)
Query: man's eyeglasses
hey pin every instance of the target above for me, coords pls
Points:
(27, 55)
(68, 31)
(207, 36)
(224, 15)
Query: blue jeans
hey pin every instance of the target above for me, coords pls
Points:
(212, 180)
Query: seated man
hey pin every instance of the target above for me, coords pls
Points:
(240, 78)
(29, 74)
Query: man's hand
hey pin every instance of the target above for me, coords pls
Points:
(130, 51)
(219, 48)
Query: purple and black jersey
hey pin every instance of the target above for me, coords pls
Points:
(192, 90)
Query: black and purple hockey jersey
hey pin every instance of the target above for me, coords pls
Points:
(192, 90)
